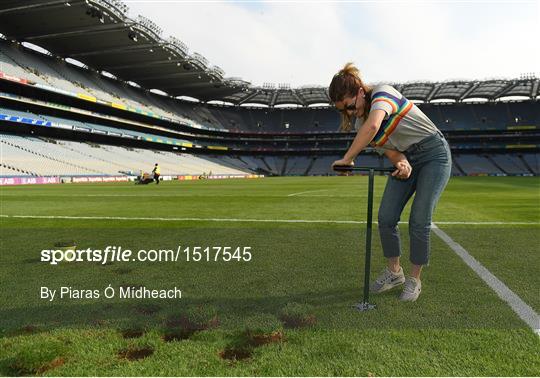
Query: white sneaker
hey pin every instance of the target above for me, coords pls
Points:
(387, 280)
(411, 290)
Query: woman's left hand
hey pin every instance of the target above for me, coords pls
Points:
(343, 162)
(403, 170)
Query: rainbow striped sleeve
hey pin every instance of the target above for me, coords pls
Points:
(400, 108)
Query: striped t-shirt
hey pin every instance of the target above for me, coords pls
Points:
(403, 125)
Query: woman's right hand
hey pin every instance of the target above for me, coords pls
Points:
(403, 170)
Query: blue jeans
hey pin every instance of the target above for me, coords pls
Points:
(431, 163)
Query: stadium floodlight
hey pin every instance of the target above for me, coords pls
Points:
(528, 76)
(216, 72)
(271, 86)
(198, 58)
(237, 81)
(365, 305)
(115, 6)
(150, 25)
(284, 86)
(179, 45)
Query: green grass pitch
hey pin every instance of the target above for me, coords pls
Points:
(288, 311)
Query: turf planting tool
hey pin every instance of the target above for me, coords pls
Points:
(365, 305)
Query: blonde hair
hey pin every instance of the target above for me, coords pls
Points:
(346, 83)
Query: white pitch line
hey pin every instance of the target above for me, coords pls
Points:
(522, 309)
(184, 219)
(309, 191)
(185, 195)
(487, 223)
(335, 195)
(244, 220)
(139, 195)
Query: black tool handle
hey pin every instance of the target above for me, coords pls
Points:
(349, 168)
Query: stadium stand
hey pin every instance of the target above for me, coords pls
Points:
(22, 62)
(476, 165)
(60, 118)
(531, 162)
(36, 156)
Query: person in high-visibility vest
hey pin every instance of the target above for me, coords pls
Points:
(157, 172)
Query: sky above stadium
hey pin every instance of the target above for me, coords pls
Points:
(306, 42)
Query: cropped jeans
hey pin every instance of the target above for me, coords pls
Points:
(431, 163)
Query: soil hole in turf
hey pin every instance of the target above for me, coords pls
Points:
(133, 354)
(132, 333)
(194, 319)
(99, 322)
(177, 335)
(20, 369)
(28, 329)
(297, 315)
(57, 362)
(44, 356)
(182, 328)
(235, 354)
(299, 321)
(265, 338)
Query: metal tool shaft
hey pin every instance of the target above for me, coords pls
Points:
(365, 305)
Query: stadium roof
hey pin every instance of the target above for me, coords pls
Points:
(101, 35)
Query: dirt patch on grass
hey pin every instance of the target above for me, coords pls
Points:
(236, 353)
(257, 340)
(99, 322)
(42, 357)
(29, 329)
(298, 321)
(186, 323)
(132, 333)
(297, 315)
(57, 362)
(177, 335)
(242, 348)
(135, 353)
(21, 370)
(183, 328)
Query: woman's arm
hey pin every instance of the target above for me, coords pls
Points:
(399, 160)
(364, 136)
